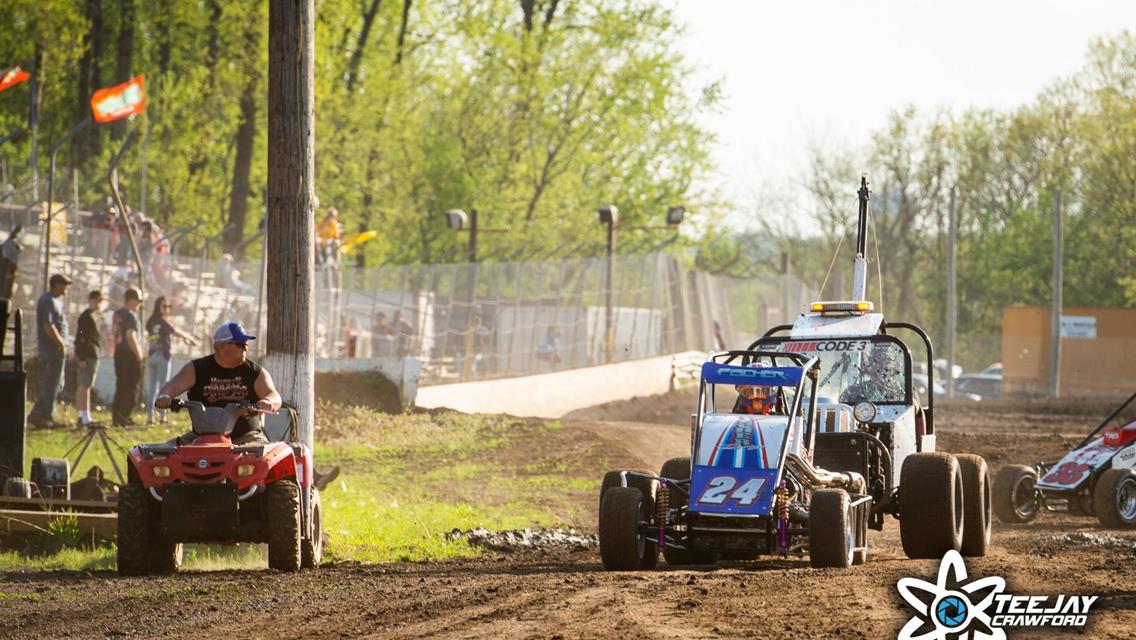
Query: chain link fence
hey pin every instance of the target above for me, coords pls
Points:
(464, 321)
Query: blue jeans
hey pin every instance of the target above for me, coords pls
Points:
(52, 383)
(157, 373)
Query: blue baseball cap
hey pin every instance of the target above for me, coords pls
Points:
(231, 332)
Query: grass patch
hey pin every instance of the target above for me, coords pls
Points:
(406, 481)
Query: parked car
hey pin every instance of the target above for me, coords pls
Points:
(983, 385)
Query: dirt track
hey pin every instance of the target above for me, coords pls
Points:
(567, 594)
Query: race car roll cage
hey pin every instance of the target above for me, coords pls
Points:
(864, 444)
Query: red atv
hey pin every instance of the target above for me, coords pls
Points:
(213, 491)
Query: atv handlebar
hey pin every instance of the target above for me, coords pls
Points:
(242, 408)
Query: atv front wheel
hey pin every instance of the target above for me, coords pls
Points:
(1114, 498)
(930, 505)
(283, 503)
(622, 546)
(831, 533)
(679, 469)
(976, 505)
(1014, 497)
(133, 540)
(311, 549)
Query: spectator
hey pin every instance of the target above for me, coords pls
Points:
(404, 332)
(51, 334)
(548, 348)
(329, 233)
(127, 359)
(383, 334)
(10, 261)
(480, 342)
(120, 280)
(160, 333)
(88, 345)
(231, 277)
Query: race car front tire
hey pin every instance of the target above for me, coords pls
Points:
(679, 469)
(976, 505)
(1114, 498)
(1013, 496)
(832, 534)
(622, 546)
(930, 505)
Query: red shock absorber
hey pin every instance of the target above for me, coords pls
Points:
(662, 504)
(783, 517)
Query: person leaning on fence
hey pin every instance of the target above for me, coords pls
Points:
(10, 252)
(51, 340)
(128, 356)
(223, 377)
(88, 346)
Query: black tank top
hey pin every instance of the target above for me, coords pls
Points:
(216, 386)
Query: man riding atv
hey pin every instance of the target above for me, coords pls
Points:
(226, 376)
(229, 376)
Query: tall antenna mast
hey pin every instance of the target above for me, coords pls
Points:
(860, 264)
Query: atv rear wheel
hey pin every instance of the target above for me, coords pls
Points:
(311, 549)
(133, 540)
(930, 505)
(679, 469)
(1014, 497)
(283, 504)
(976, 505)
(165, 557)
(1114, 498)
(832, 534)
(622, 546)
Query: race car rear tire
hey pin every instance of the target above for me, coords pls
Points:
(622, 546)
(832, 534)
(283, 504)
(1114, 498)
(930, 505)
(976, 505)
(133, 539)
(311, 549)
(1013, 496)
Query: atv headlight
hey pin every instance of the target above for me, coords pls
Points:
(864, 412)
(245, 469)
(161, 471)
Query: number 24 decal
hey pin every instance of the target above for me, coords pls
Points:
(722, 488)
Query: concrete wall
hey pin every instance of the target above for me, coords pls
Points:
(1100, 365)
(551, 395)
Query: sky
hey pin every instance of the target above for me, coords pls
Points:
(829, 72)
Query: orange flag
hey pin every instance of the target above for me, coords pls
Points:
(120, 101)
(13, 77)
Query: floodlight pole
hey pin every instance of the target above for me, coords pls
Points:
(51, 194)
(1058, 277)
(952, 296)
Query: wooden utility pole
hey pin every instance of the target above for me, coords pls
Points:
(291, 205)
